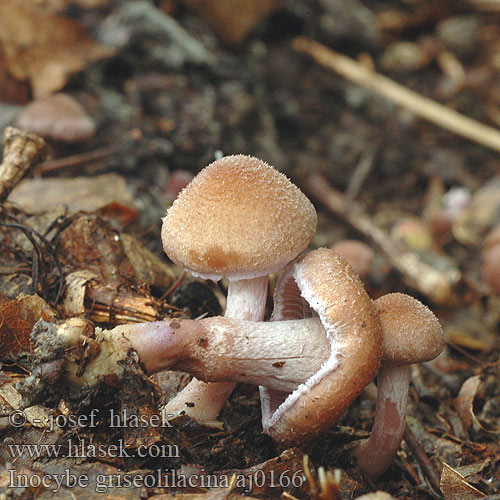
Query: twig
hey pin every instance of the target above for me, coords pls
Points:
(438, 286)
(21, 152)
(177, 283)
(38, 257)
(422, 459)
(360, 174)
(419, 105)
(132, 138)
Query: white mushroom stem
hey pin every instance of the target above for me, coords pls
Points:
(246, 299)
(280, 355)
(376, 454)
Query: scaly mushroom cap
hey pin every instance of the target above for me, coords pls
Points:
(412, 334)
(239, 218)
(333, 291)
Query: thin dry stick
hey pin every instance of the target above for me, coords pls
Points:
(21, 152)
(424, 462)
(438, 286)
(406, 98)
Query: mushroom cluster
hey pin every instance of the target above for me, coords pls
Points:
(242, 220)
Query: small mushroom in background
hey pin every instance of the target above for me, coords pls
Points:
(322, 283)
(411, 334)
(358, 254)
(490, 257)
(58, 117)
(177, 181)
(240, 219)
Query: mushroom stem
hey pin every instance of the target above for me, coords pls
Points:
(280, 355)
(246, 299)
(411, 334)
(377, 453)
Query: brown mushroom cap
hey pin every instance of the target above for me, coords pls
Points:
(412, 334)
(59, 117)
(333, 290)
(239, 218)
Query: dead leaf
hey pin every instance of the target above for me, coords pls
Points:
(37, 415)
(44, 48)
(464, 403)
(148, 267)
(455, 487)
(289, 464)
(230, 20)
(17, 318)
(11, 89)
(78, 193)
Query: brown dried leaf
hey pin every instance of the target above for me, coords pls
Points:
(79, 193)
(232, 21)
(464, 403)
(148, 267)
(455, 487)
(17, 318)
(44, 48)
(11, 89)
(289, 466)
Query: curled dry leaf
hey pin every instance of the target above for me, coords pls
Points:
(465, 403)
(43, 48)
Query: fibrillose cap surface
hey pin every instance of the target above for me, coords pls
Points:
(239, 218)
(411, 331)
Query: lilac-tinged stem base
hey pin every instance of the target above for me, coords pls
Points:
(376, 454)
